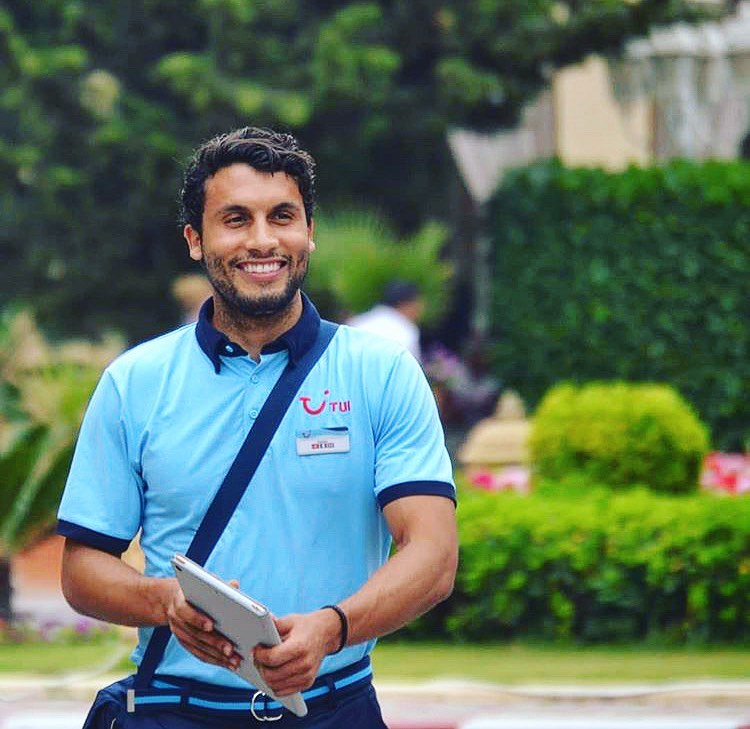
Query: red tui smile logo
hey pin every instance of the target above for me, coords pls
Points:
(333, 406)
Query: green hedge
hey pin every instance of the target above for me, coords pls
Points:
(619, 434)
(629, 566)
(642, 276)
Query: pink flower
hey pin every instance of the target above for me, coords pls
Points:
(509, 478)
(482, 479)
(727, 472)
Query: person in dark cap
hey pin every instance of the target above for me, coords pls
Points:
(397, 316)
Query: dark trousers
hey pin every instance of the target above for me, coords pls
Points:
(358, 709)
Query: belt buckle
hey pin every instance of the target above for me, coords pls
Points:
(255, 714)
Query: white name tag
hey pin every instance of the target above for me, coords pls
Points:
(319, 442)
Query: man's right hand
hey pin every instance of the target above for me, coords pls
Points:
(195, 630)
(101, 585)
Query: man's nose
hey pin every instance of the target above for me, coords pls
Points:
(262, 237)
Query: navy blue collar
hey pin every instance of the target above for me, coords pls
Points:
(296, 340)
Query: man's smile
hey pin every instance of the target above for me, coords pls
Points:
(263, 271)
(261, 267)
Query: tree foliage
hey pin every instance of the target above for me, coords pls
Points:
(100, 99)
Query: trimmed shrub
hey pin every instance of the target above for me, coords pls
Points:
(642, 275)
(628, 566)
(619, 434)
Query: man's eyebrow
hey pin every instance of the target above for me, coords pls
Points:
(286, 207)
(232, 209)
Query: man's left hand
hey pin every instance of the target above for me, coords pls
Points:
(306, 639)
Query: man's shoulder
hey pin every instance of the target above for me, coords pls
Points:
(378, 358)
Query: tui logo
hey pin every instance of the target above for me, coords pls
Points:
(331, 406)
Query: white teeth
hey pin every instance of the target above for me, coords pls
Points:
(261, 267)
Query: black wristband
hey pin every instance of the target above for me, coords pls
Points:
(344, 626)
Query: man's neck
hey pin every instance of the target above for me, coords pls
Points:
(254, 332)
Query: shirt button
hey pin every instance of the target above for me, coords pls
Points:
(229, 348)
(254, 379)
(253, 413)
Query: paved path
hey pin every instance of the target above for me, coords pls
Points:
(469, 705)
(27, 704)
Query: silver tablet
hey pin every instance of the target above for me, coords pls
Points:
(244, 621)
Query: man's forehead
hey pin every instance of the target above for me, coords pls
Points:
(242, 181)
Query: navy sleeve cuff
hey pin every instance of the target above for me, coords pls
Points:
(416, 488)
(90, 538)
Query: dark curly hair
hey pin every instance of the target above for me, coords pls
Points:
(263, 149)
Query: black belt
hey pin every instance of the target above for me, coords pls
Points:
(180, 694)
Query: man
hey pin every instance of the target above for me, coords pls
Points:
(396, 317)
(168, 418)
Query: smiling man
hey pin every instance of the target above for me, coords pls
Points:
(254, 240)
(357, 460)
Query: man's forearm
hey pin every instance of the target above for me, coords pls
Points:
(103, 586)
(417, 577)
(403, 589)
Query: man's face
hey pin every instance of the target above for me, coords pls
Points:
(413, 309)
(256, 240)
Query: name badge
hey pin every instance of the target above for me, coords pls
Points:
(325, 440)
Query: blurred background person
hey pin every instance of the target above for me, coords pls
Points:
(397, 316)
(191, 290)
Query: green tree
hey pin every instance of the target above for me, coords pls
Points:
(100, 99)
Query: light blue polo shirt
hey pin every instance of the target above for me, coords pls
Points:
(167, 420)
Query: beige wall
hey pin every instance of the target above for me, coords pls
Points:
(591, 129)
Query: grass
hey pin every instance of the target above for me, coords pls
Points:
(547, 664)
(506, 664)
(57, 658)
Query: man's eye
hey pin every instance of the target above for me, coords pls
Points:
(283, 215)
(234, 220)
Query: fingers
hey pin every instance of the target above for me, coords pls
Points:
(195, 631)
(294, 675)
(209, 647)
(284, 626)
(292, 665)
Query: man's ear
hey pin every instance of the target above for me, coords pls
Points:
(310, 241)
(193, 238)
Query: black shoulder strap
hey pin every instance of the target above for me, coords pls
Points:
(238, 478)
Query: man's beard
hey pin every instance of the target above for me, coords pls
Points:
(262, 305)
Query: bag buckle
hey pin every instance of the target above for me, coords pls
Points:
(255, 714)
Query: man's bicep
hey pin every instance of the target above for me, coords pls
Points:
(83, 564)
(422, 517)
(102, 585)
(76, 555)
